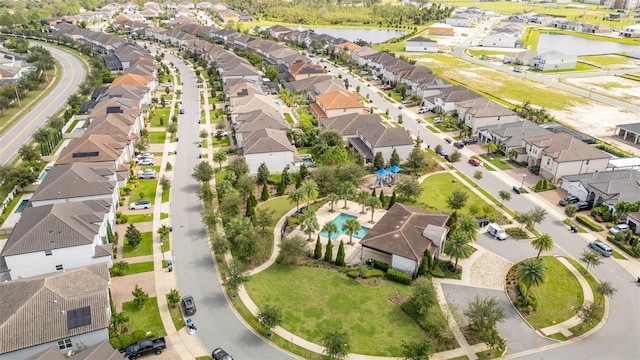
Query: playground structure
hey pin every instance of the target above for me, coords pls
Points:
(386, 176)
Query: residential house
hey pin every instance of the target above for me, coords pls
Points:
(421, 44)
(441, 29)
(633, 220)
(561, 154)
(505, 36)
(336, 103)
(307, 85)
(302, 70)
(519, 58)
(554, 60)
(59, 237)
(117, 149)
(402, 235)
(631, 31)
(272, 147)
(510, 136)
(629, 132)
(375, 138)
(246, 104)
(604, 187)
(277, 31)
(462, 20)
(80, 181)
(446, 98)
(247, 123)
(42, 312)
(103, 351)
(480, 112)
(349, 124)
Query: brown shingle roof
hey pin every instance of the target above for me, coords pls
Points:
(33, 311)
(94, 148)
(565, 148)
(379, 135)
(400, 231)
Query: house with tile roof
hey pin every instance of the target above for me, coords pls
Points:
(402, 235)
(308, 84)
(59, 237)
(375, 138)
(246, 104)
(480, 112)
(303, 70)
(560, 154)
(117, 149)
(240, 71)
(272, 147)
(510, 135)
(103, 351)
(604, 187)
(80, 181)
(349, 124)
(247, 123)
(42, 312)
(336, 103)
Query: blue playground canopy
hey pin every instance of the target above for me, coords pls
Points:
(395, 169)
(382, 172)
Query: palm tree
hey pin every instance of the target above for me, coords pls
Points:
(333, 199)
(296, 196)
(220, 157)
(457, 247)
(468, 225)
(361, 198)
(330, 228)
(590, 258)
(310, 190)
(118, 320)
(490, 147)
(345, 189)
(544, 242)
(351, 226)
(309, 222)
(531, 272)
(372, 203)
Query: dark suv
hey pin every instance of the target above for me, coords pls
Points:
(568, 200)
(468, 141)
(188, 305)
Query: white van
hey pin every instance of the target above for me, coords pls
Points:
(497, 232)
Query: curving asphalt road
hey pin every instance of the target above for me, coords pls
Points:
(72, 73)
(217, 323)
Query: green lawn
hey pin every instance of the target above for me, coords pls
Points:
(147, 319)
(154, 167)
(158, 114)
(556, 296)
(165, 195)
(176, 315)
(144, 248)
(593, 283)
(138, 218)
(12, 205)
(137, 268)
(280, 205)
(224, 141)
(145, 190)
(496, 161)
(334, 301)
(157, 137)
(166, 246)
(439, 186)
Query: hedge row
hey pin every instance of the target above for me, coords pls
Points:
(380, 265)
(354, 274)
(588, 223)
(398, 276)
(623, 247)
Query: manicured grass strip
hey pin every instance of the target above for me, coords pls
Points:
(557, 336)
(166, 246)
(332, 300)
(137, 268)
(144, 248)
(158, 115)
(165, 195)
(147, 319)
(556, 296)
(154, 167)
(145, 190)
(157, 137)
(486, 194)
(12, 205)
(163, 215)
(491, 354)
(138, 218)
(224, 141)
(438, 187)
(593, 283)
(176, 314)
(496, 161)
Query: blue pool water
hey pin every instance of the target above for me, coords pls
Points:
(278, 104)
(308, 161)
(339, 220)
(20, 208)
(44, 174)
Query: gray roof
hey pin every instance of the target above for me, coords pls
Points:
(380, 136)
(514, 132)
(77, 180)
(259, 119)
(56, 226)
(267, 141)
(562, 147)
(632, 127)
(34, 311)
(103, 351)
(349, 123)
(614, 186)
(400, 231)
(482, 107)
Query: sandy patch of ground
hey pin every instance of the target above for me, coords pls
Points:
(595, 119)
(122, 286)
(612, 86)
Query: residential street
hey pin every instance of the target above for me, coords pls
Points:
(72, 75)
(217, 323)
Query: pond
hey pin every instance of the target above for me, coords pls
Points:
(574, 45)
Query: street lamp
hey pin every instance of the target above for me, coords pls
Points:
(523, 177)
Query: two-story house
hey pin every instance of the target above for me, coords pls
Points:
(370, 140)
(480, 112)
(336, 103)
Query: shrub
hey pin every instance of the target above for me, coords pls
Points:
(586, 222)
(398, 276)
(375, 273)
(353, 274)
(138, 335)
(292, 221)
(115, 343)
(634, 251)
(125, 340)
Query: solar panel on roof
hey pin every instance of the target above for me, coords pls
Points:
(79, 317)
(85, 154)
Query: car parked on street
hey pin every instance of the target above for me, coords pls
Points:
(140, 204)
(468, 141)
(147, 174)
(601, 247)
(219, 354)
(188, 305)
(474, 162)
(568, 200)
(442, 152)
(623, 228)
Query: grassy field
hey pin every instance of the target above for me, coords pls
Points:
(158, 114)
(145, 190)
(332, 301)
(512, 89)
(144, 248)
(157, 137)
(559, 293)
(147, 319)
(224, 141)
(137, 268)
(439, 186)
(138, 218)
(593, 283)
(609, 60)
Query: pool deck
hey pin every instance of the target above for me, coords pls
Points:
(324, 215)
(14, 217)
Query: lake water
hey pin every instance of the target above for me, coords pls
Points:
(574, 45)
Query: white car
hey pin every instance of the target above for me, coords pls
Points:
(423, 110)
(145, 162)
(140, 204)
(147, 174)
(623, 228)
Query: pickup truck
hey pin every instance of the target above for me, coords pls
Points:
(144, 347)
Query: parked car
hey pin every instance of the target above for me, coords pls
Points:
(458, 144)
(181, 111)
(497, 231)
(406, 102)
(147, 174)
(623, 228)
(219, 354)
(442, 152)
(146, 346)
(144, 157)
(387, 87)
(568, 200)
(188, 305)
(468, 141)
(423, 110)
(437, 120)
(517, 69)
(448, 140)
(145, 161)
(446, 157)
(140, 204)
(583, 205)
(601, 247)
(516, 189)
(474, 162)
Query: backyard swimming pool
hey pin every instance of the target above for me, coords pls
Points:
(44, 174)
(339, 220)
(20, 208)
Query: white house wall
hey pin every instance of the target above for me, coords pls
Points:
(368, 253)
(499, 40)
(475, 123)
(431, 47)
(113, 197)
(403, 264)
(79, 342)
(37, 263)
(403, 152)
(338, 112)
(275, 161)
(575, 188)
(552, 169)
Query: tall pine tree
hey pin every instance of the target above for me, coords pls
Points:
(317, 253)
(340, 255)
(328, 253)
(265, 192)
(392, 200)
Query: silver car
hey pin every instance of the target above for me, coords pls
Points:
(140, 204)
(147, 174)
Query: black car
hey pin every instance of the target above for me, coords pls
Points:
(219, 354)
(188, 305)
(568, 200)
(468, 141)
(458, 144)
(584, 205)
